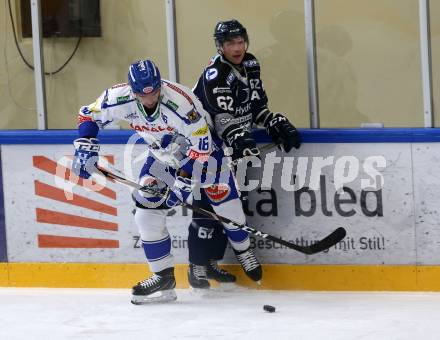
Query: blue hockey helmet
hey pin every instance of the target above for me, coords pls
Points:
(226, 30)
(144, 76)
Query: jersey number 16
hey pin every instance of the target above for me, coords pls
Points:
(203, 143)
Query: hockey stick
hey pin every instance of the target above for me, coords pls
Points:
(228, 166)
(319, 246)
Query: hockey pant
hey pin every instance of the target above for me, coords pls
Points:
(208, 238)
(150, 216)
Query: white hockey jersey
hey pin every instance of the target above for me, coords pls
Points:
(178, 112)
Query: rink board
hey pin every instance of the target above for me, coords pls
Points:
(275, 276)
(59, 231)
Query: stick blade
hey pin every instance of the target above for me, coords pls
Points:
(335, 237)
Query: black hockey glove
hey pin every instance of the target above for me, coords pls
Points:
(282, 132)
(242, 145)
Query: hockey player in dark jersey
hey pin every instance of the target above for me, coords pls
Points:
(231, 90)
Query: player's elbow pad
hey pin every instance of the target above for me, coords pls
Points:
(88, 129)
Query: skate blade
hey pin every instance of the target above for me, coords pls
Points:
(157, 297)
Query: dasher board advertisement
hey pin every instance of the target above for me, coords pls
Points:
(385, 195)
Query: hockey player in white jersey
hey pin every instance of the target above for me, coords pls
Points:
(173, 124)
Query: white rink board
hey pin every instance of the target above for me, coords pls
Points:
(426, 158)
(409, 218)
(388, 239)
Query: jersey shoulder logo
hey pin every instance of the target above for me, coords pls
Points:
(211, 73)
(193, 116)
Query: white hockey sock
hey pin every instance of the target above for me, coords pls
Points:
(155, 238)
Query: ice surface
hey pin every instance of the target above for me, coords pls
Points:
(40, 313)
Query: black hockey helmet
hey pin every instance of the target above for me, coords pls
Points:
(225, 30)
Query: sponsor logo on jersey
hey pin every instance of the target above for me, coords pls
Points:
(147, 89)
(132, 115)
(202, 131)
(119, 85)
(230, 78)
(221, 90)
(211, 73)
(172, 104)
(218, 192)
(250, 63)
(224, 121)
(158, 128)
(236, 120)
(243, 109)
(200, 156)
(193, 116)
(245, 91)
(122, 99)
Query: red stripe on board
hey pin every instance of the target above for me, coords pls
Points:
(110, 159)
(48, 165)
(53, 241)
(49, 191)
(55, 217)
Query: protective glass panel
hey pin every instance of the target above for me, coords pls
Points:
(435, 52)
(17, 85)
(131, 30)
(368, 59)
(276, 33)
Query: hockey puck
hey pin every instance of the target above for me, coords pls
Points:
(269, 308)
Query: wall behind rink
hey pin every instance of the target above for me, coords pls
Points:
(392, 228)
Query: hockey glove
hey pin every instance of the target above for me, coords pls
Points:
(282, 132)
(86, 156)
(180, 191)
(174, 149)
(242, 145)
(177, 145)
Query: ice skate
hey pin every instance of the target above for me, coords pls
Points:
(250, 264)
(214, 272)
(157, 288)
(197, 276)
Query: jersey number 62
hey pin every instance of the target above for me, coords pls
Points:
(225, 103)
